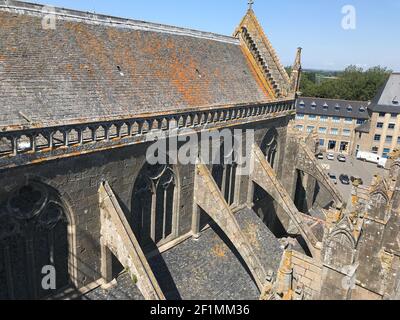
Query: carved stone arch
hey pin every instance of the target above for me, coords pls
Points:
(196, 120)
(189, 121)
(181, 121)
(344, 237)
(100, 132)
(66, 201)
(124, 129)
(153, 124)
(37, 230)
(380, 192)
(65, 198)
(164, 124)
(379, 202)
(340, 249)
(270, 147)
(87, 134)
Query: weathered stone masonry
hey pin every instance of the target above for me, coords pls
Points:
(80, 107)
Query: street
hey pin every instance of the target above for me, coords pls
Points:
(352, 167)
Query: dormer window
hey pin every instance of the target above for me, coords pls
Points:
(349, 108)
(395, 100)
(362, 109)
(302, 104)
(325, 106)
(313, 105)
(337, 107)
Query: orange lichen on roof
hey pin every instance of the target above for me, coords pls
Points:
(8, 25)
(9, 22)
(84, 70)
(219, 251)
(180, 73)
(90, 44)
(70, 70)
(183, 77)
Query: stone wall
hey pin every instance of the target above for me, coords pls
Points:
(307, 274)
(77, 180)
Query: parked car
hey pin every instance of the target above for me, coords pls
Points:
(330, 157)
(341, 158)
(320, 156)
(333, 178)
(358, 180)
(344, 179)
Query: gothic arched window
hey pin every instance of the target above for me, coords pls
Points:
(224, 174)
(270, 147)
(153, 205)
(33, 234)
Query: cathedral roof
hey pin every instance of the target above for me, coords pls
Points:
(94, 67)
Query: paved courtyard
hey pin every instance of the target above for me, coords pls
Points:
(352, 167)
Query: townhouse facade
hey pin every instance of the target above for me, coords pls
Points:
(381, 133)
(335, 121)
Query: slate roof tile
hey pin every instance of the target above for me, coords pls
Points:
(84, 69)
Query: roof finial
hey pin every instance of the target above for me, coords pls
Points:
(251, 2)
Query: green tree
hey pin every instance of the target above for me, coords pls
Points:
(353, 83)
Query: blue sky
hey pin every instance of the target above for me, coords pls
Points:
(314, 25)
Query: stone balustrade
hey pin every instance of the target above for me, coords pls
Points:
(23, 146)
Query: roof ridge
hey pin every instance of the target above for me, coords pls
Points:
(266, 58)
(22, 7)
(362, 101)
(270, 47)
